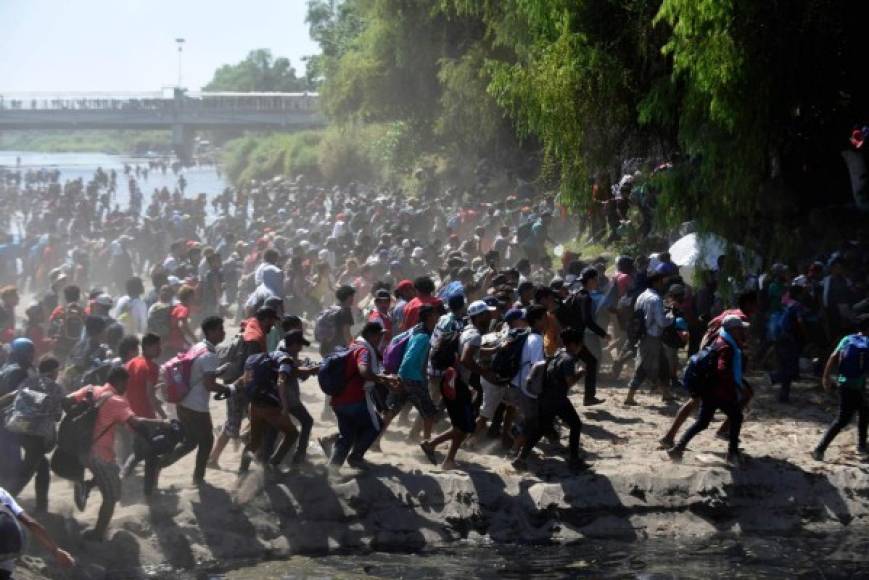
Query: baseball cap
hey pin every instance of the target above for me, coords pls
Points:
(405, 285)
(383, 295)
(104, 300)
(514, 314)
(733, 321)
(479, 307)
(296, 336)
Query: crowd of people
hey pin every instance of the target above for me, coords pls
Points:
(142, 319)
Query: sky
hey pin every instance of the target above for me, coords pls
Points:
(129, 45)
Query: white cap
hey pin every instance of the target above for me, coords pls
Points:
(479, 307)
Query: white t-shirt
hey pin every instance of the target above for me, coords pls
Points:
(138, 313)
(532, 352)
(9, 502)
(470, 337)
(199, 397)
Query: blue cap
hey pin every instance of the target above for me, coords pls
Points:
(514, 314)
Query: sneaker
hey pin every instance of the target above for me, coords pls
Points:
(675, 454)
(735, 459)
(429, 452)
(80, 492)
(592, 402)
(817, 455)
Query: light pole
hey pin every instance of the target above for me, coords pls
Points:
(180, 43)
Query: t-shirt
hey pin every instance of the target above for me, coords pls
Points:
(177, 342)
(143, 376)
(411, 311)
(472, 338)
(114, 411)
(198, 397)
(413, 363)
(560, 371)
(353, 392)
(844, 381)
(343, 320)
(551, 334)
(532, 352)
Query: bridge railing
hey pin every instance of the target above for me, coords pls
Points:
(259, 102)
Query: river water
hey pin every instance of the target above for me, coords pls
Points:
(841, 555)
(844, 555)
(200, 179)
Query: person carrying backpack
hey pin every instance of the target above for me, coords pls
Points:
(17, 369)
(332, 327)
(723, 390)
(66, 323)
(359, 424)
(37, 429)
(851, 361)
(789, 335)
(113, 411)
(266, 378)
(560, 374)
(14, 521)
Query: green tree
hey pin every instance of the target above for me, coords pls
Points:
(259, 71)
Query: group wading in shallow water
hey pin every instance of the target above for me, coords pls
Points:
(446, 313)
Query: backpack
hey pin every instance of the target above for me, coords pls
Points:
(508, 359)
(331, 375)
(72, 323)
(326, 327)
(30, 412)
(535, 384)
(265, 376)
(12, 536)
(854, 357)
(445, 351)
(75, 434)
(160, 319)
(637, 326)
(394, 352)
(231, 354)
(176, 373)
(700, 371)
(781, 323)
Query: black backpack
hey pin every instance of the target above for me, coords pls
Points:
(508, 359)
(75, 433)
(700, 371)
(445, 352)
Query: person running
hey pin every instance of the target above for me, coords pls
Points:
(194, 410)
(412, 373)
(789, 335)
(142, 396)
(40, 438)
(650, 310)
(850, 359)
(457, 396)
(354, 407)
(553, 402)
(34, 528)
(114, 410)
(724, 392)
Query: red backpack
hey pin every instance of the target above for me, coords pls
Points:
(176, 373)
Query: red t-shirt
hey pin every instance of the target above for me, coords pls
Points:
(143, 376)
(114, 411)
(177, 342)
(385, 321)
(353, 392)
(411, 311)
(253, 332)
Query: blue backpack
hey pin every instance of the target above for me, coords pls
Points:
(699, 373)
(332, 372)
(854, 357)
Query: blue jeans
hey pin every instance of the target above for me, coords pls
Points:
(358, 427)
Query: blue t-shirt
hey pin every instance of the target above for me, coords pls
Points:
(415, 355)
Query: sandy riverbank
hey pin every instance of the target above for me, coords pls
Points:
(633, 492)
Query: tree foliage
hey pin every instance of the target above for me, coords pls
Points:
(259, 71)
(752, 101)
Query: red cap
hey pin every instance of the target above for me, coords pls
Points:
(404, 285)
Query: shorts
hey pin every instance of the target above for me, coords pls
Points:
(236, 410)
(417, 393)
(493, 396)
(107, 476)
(461, 413)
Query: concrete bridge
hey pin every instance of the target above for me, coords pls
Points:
(182, 112)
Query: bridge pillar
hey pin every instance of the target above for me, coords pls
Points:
(182, 142)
